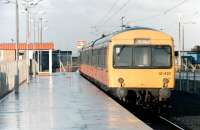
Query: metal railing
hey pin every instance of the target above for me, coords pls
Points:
(188, 81)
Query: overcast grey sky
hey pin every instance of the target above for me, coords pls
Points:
(73, 20)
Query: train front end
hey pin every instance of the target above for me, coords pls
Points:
(142, 61)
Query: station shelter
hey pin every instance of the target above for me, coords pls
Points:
(31, 51)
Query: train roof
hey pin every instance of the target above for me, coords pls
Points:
(108, 37)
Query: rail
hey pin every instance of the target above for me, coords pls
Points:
(168, 121)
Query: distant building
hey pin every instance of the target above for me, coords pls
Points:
(196, 48)
(8, 50)
(61, 60)
(8, 53)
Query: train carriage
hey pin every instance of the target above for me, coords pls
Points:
(134, 63)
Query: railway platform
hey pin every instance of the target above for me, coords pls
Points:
(64, 102)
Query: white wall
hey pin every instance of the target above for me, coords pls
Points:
(7, 76)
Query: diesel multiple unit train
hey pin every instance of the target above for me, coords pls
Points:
(134, 64)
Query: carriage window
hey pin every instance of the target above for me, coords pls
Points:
(161, 56)
(122, 56)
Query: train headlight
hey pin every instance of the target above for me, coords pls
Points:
(165, 82)
(121, 81)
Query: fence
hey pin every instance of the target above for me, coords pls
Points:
(8, 74)
(188, 81)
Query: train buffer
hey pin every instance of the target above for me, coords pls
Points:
(64, 102)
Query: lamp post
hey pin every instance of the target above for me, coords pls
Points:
(183, 32)
(41, 19)
(34, 42)
(27, 41)
(16, 88)
(40, 43)
(122, 22)
(17, 49)
(36, 23)
(28, 5)
(179, 43)
(181, 46)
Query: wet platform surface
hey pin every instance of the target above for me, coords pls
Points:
(64, 102)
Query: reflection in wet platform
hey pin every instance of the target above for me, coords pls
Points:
(64, 102)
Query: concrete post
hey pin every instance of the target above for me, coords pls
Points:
(16, 86)
(2, 55)
(50, 62)
(38, 61)
(59, 62)
(71, 63)
(27, 40)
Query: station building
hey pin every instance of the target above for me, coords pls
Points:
(8, 53)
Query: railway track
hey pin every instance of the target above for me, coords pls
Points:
(157, 122)
(175, 125)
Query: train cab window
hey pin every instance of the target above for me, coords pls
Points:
(161, 56)
(142, 56)
(148, 56)
(122, 56)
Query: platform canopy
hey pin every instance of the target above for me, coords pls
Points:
(24, 46)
